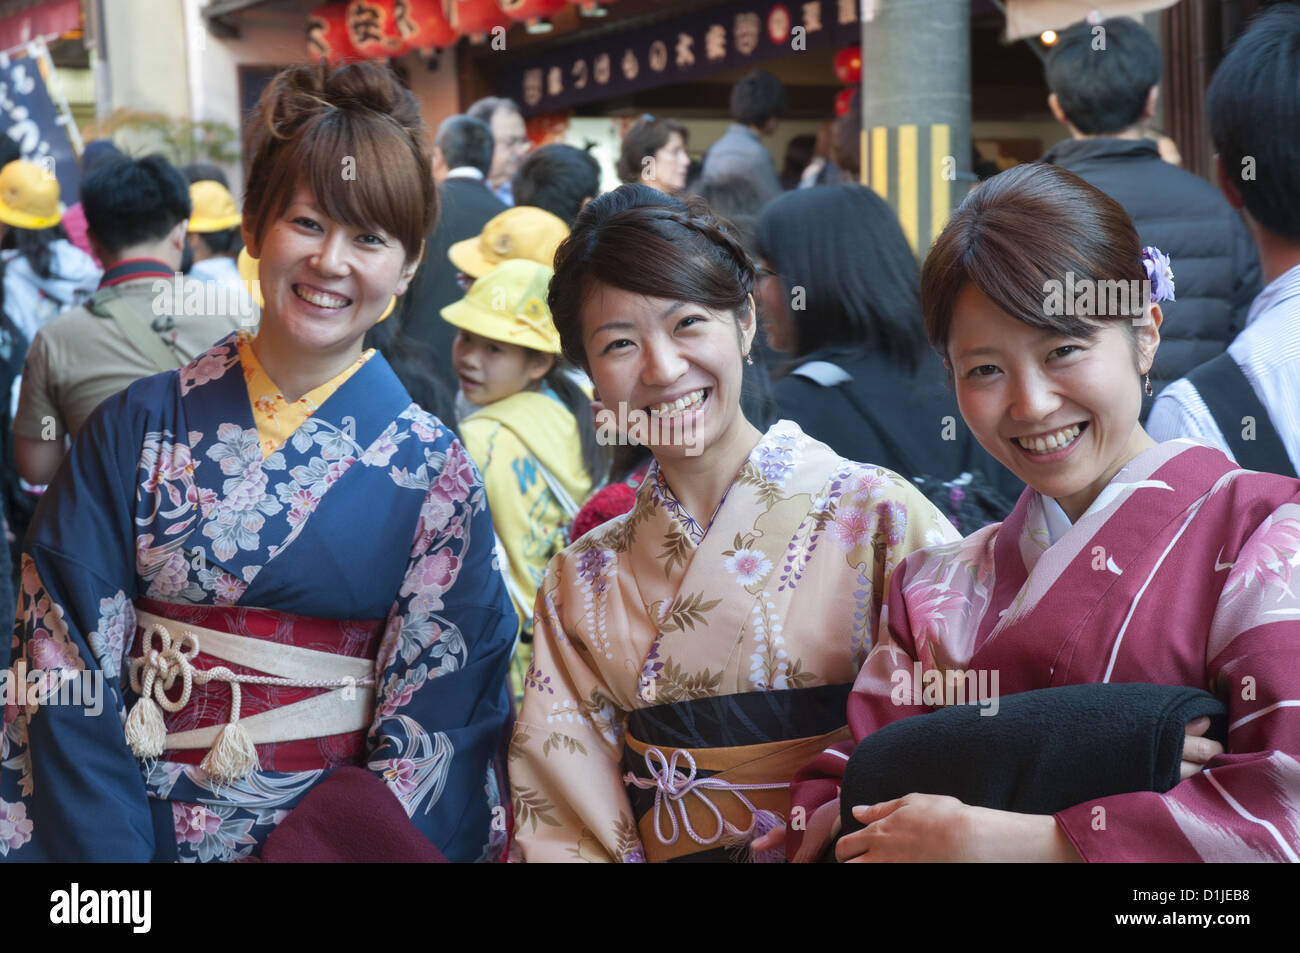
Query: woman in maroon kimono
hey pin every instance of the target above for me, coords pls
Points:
(1124, 561)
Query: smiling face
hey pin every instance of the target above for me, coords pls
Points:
(670, 166)
(490, 370)
(325, 283)
(1060, 412)
(678, 362)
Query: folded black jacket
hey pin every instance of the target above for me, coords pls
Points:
(1044, 750)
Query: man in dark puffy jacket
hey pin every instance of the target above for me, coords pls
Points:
(1103, 80)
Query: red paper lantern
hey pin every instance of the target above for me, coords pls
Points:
(534, 14)
(843, 99)
(848, 65)
(474, 18)
(372, 28)
(327, 33)
(425, 25)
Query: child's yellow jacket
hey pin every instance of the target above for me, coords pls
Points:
(528, 450)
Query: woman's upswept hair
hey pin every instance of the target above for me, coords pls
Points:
(355, 136)
(639, 240)
(843, 247)
(1024, 231)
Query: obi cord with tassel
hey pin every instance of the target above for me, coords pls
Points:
(188, 671)
(708, 776)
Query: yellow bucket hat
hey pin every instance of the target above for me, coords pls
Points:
(520, 232)
(213, 208)
(509, 304)
(250, 273)
(29, 196)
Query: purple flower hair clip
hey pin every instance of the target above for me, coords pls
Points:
(1159, 273)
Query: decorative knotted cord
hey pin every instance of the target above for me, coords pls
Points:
(153, 674)
(672, 786)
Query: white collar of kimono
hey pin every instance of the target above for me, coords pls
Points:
(1058, 524)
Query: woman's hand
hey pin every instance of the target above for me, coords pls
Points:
(1197, 751)
(930, 827)
(917, 827)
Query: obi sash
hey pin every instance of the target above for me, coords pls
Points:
(305, 686)
(706, 776)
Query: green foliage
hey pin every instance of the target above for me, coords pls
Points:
(181, 140)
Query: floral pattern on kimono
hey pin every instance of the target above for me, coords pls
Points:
(370, 510)
(781, 590)
(1180, 573)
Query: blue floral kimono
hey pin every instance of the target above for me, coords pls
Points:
(370, 510)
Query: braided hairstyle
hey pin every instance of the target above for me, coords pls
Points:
(355, 136)
(641, 241)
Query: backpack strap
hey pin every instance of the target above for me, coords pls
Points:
(106, 301)
(1230, 398)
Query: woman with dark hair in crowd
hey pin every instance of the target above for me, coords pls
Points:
(846, 139)
(738, 591)
(839, 293)
(1124, 561)
(799, 154)
(279, 568)
(654, 154)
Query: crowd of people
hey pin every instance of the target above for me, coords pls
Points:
(488, 515)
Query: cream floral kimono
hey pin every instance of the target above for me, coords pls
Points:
(780, 593)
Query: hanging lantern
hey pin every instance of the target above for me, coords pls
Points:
(477, 18)
(843, 99)
(424, 26)
(372, 28)
(327, 33)
(534, 14)
(848, 65)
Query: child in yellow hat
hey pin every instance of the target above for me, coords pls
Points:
(532, 435)
(43, 272)
(214, 231)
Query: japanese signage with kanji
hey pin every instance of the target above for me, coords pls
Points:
(29, 116)
(723, 38)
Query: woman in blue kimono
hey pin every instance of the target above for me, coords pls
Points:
(268, 577)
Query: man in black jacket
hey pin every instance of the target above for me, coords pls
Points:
(1103, 80)
(462, 155)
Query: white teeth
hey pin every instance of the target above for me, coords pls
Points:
(321, 299)
(675, 408)
(1053, 441)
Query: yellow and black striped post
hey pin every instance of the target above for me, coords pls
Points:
(916, 148)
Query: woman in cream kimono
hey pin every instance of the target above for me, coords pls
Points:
(692, 653)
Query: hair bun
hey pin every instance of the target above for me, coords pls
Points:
(301, 93)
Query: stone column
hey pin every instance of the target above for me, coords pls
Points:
(916, 102)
